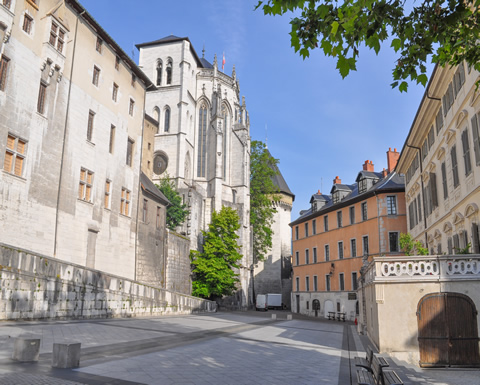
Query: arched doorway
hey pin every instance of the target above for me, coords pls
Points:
(316, 306)
(447, 330)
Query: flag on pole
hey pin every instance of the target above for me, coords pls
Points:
(223, 61)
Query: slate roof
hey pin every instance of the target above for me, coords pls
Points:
(369, 174)
(149, 186)
(279, 181)
(342, 187)
(392, 182)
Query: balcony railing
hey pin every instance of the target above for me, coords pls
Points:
(424, 268)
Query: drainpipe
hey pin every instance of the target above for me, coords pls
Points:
(64, 137)
(423, 195)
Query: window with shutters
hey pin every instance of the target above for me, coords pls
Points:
(15, 155)
(425, 149)
(129, 159)
(306, 229)
(392, 205)
(85, 185)
(307, 283)
(315, 283)
(106, 200)
(125, 202)
(365, 245)
(353, 247)
(448, 99)
(341, 279)
(354, 280)
(364, 211)
(439, 248)
(431, 137)
(393, 242)
(325, 222)
(464, 239)
(444, 181)
(27, 23)
(98, 45)
(475, 135)
(339, 219)
(3, 71)
(466, 152)
(314, 226)
(459, 79)
(419, 206)
(327, 253)
(7, 3)
(433, 191)
(450, 246)
(131, 107)
(91, 118)
(340, 250)
(57, 37)
(439, 120)
(456, 243)
(307, 256)
(475, 239)
(42, 94)
(352, 215)
(96, 75)
(115, 92)
(314, 255)
(411, 216)
(453, 156)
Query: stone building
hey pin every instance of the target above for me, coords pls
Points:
(71, 119)
(203, 139)
(341, 232)
(274, 274)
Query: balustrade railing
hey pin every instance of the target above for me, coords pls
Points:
(427, 268)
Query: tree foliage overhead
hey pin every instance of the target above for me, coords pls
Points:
(449, 31)
(263, 167)
(177, 212)
(212, 268)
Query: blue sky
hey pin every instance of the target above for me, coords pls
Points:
(319, 126)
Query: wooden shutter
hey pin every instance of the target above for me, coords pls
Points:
(475, 239)
(466, 152)
(476, 140)
(433, 190)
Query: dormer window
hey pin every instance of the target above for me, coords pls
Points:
(336, 197)
(314, 206)
(362, 185)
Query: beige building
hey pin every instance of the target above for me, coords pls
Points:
(71, 120)
(425, 309)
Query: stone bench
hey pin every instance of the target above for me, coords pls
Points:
(66, 355)
(26, 349)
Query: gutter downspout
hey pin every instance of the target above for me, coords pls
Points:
(64, 138)
(423, 195)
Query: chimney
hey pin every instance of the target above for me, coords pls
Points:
(384, 173)
(319, 193)
(392, 159)
(368, 166)
(337, 180)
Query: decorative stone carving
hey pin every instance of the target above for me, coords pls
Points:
(410, 268)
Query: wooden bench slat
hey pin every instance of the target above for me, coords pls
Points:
(360, 361)
(391, 378)
(364, 377)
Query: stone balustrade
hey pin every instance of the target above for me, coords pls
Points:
(424, 268)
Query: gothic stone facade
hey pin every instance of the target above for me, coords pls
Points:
(203, 139)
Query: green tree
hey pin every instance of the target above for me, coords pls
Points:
(263, 167)
(212, 268)
(411, 247)
(448, 31)
(177, 212)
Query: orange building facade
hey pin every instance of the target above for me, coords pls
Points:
(340, 233)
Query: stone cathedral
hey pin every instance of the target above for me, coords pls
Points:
(203, 138)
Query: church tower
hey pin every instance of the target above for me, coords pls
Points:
(203, 138)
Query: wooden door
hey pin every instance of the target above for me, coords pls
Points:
(447, 330)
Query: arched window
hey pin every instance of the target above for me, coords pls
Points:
(159, 72)
(169, 71)
(202, 140)
(225, 140)
(166, 126)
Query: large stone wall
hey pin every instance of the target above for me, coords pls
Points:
(34, 286)
(178, 264)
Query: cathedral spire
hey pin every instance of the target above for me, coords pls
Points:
(234, 73)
